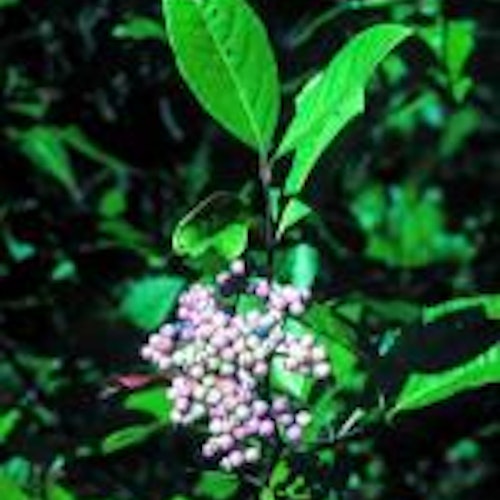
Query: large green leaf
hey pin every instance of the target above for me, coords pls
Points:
(424, 389)
(223, 53)
(333, 97)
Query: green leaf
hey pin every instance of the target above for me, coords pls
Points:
(336, 334)
(152, 401)
(295, 210)
(10, 490)
(217, 485)
(301, 265)
(19, 250)
(218, 226)
(113, 203)
(407, 226)
(8, 423)
(294, 384)
(223, 53)
(57, 492)
(280, 474)
(139, 28)
(43, 146)
(489, 303)
(149, 300)
(78, 140)
(127, 437)
(333, 97)
(9, 3)
(424, 389)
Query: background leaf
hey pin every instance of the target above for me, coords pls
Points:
(148, 301)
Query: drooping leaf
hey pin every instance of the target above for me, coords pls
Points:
(424, 389)
(127, 437)
(139, 28)
(223, 53)
(218, 226)
(333, 97)
(149, 300)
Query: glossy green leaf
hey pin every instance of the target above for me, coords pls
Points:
(139, 28)
(217, 485)
(424, 389)
(333, 97)
(223, 53)
(127, 437)
(152, 401)
(148, 301)
(217, 226)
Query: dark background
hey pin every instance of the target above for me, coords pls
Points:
(67, 261)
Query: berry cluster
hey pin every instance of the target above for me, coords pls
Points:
(219, 359)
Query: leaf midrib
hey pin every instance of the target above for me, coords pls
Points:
(241, 94)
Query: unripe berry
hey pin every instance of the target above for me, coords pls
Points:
(322, 370)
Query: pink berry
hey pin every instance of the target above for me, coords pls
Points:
(294, 433)
(236, 458)
(266, 428)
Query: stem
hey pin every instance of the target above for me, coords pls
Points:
(266, 179)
